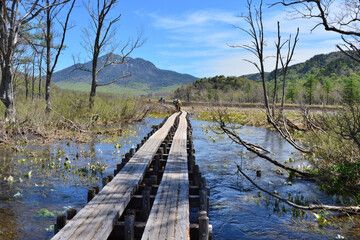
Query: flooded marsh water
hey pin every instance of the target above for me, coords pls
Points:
(238, 210)
(43, 181)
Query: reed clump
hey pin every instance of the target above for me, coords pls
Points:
(70, 116)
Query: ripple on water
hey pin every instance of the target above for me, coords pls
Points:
(236, 209)
(230, 231)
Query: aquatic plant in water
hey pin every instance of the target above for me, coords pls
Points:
(97, 167)
(45, 213)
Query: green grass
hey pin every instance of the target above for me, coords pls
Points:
(85, 87)
(136, 88)
(70, 116)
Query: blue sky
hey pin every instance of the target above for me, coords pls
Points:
(193, 36)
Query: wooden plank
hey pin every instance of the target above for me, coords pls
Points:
(96, 219)
(169, 217)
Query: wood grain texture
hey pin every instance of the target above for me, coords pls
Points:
(169, 216)
(96, 219)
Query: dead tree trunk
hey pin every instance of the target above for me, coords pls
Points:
(94, 70)
(40, 70)
(104, 29)
(7, 91)
(48, 58)
(93, 82)
(33, 82)
(26, 78)
(50, 66)
(256, 32)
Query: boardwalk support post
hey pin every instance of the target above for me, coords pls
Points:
(129, 224)
(132, 151)
(146, 202)
(157, 166)
(96, 188)
(110, 177)
(203, 225)
(153, 180)
(196, 174)
(127, 157)
(60, 222)
(191, 162)
(160, 152)
(203, 200)
(91, 194)
(164, 147)
(105, 181)
(119, 167)
(71, 213)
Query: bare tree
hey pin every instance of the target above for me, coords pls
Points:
(18, 63)
(98, 40)
(33, 75)
(256, 32)
(27, 63)
(40, 70)
(52, 15)
(341, 16)
(13, 15)
(32, 41)
(27, 70)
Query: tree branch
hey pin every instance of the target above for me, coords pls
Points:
(252, 149)
(26, 17)
(348, 209)
(323, 15)
(63, 37)
(108, 83)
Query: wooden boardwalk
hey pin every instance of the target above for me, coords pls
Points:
(150, 196)
(169, 217)
(96, 219)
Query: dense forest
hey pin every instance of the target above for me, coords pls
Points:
(324, 79)
(220, 88)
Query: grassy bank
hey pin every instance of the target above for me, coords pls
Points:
(137, 88)
(70, 116)
(250, 116)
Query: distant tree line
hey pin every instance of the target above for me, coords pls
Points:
(220, 88)
(320, 88)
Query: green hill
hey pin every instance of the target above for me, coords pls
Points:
(321, 66)
(323, 79)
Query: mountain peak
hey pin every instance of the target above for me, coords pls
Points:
(145, 76)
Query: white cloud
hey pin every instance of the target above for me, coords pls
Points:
(198, 41)
(199, 18)
(193, 53)
(233, 64)
(200, 29)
